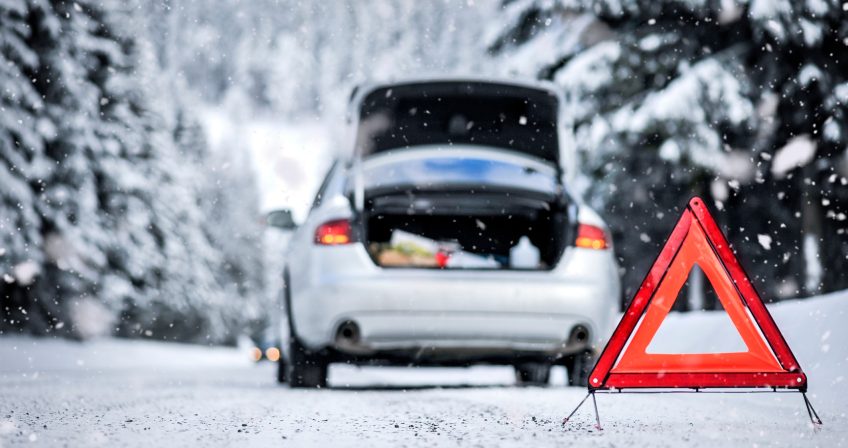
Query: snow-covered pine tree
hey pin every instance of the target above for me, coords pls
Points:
(228, 199)
(103, 229)
(799, 56)
(22, 163)
(673, 98)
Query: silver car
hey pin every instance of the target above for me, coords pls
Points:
(449, 237)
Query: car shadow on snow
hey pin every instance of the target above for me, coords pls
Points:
(414, 387)
(385, 378)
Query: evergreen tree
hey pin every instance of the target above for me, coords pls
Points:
(116, 216)
(22, 160)
(672, 98)
(105, 231)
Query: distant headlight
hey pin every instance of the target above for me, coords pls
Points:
(273, 354)
(256, 354)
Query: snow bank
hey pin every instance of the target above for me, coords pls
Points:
(815, 329)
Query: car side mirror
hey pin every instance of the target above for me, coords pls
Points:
(281, 219)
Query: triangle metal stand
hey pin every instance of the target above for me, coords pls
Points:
(597, 416)
(811, 411)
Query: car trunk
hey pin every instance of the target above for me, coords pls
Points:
(475, 230)
(465, 208)
(460, 175)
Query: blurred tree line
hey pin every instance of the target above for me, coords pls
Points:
(300, 59)
(115, 218)
(740, 101)
(118, 215)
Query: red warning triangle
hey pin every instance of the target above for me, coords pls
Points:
(696, 240)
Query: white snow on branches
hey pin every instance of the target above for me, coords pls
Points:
(797, 152)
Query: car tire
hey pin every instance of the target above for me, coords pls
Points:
(532, 374)
(306, 369)
(579, 366)
(282, 371)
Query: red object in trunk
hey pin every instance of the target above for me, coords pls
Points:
(442, 259)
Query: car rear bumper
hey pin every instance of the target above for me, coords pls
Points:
(475, 313)
(434, 335)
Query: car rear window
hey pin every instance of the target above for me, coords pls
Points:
(515, 118)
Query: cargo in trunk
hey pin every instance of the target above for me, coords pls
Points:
(456, 230)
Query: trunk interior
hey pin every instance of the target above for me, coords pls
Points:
(466, 230)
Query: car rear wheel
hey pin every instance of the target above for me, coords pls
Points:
(532, 374)
(579, 367)
(282, 371)
(306, 369)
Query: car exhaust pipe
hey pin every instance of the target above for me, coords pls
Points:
(348, 334)
(579, 336)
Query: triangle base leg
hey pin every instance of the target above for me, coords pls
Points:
(595, 405)
(811, 411)
(597, 416)
(565, 420)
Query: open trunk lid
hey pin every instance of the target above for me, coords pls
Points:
(459, 174)
(507, 116)
(453, 114)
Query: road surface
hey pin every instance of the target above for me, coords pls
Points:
(136, 393)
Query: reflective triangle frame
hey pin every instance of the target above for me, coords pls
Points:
(696, 239)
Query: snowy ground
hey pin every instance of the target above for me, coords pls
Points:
(121, 393)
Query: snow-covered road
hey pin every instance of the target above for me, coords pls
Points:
(125, 393)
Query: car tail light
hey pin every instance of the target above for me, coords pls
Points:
(332, 233)
(591, 237)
